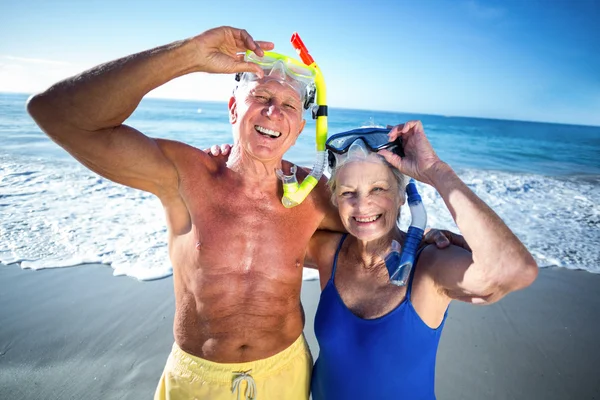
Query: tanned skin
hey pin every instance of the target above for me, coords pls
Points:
(237, 253)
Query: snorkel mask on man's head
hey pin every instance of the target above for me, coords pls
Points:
(306, 79)
(284, 70)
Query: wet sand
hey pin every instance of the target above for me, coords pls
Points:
(75, 333)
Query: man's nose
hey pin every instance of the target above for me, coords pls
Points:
(273, 111)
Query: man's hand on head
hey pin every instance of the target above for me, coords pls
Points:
(220, 50)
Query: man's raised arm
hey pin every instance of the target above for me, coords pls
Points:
(84, 114)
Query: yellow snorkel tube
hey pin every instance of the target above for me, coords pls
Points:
(293, 192)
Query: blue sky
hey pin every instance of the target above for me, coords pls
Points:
(526, 60)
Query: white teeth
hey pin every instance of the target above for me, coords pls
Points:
(268, 132)
(367, 219)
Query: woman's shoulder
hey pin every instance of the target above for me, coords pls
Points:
(323, 243)
(322, 249)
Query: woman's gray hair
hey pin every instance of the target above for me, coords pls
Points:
(401, 179)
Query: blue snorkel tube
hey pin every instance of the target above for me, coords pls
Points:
(399, 264)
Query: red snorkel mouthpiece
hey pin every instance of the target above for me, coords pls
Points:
(301, 49)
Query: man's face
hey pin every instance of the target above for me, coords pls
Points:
(267, 118)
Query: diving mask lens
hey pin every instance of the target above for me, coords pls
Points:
(357, 151)
(375, 139)
(293, 67)
(285, 70)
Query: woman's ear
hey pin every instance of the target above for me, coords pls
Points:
(334, 199)
(402, 195)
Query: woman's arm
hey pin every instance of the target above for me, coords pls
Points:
(499, 262)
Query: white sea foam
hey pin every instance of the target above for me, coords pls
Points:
(58, 214)
(558, 219)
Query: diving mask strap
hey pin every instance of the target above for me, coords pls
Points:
(319, 111)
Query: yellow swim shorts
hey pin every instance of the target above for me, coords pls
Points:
(286, 375)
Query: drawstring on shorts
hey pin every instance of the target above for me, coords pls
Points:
(250, 392)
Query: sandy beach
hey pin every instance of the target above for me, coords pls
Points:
(78, 333)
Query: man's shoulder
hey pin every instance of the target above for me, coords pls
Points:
(184, 155)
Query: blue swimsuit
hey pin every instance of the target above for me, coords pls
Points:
(390, 357)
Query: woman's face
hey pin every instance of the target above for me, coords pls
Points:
(368, 199)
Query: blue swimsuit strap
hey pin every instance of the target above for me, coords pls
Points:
(337, 252)
(412, 272)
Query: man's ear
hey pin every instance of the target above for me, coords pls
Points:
(232, 110)
(302, 125)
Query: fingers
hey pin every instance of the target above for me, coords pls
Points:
(216, 150)
(392, 158)
(225, 149)
(414, 125)
(459, 240)
(437, 237)
(402, 129)
(257, 46)
(245, 66)
(264, 46)
(444, 238)
(395, 132)
(211, 151)
(248, 41)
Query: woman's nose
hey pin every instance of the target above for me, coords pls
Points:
(361, 201)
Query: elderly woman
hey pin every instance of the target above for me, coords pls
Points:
(378, 340)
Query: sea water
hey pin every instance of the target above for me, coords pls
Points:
(542, 179)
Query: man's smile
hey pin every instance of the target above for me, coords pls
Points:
(267, 132)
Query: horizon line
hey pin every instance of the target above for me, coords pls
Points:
(365, 109)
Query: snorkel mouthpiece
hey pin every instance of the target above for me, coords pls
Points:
(293, 192)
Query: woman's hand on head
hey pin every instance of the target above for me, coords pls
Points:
(419, 157)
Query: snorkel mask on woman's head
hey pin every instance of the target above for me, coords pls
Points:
(360, 144)
(285, 70)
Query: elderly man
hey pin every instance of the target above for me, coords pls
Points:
(237, 253)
